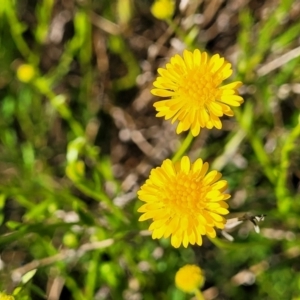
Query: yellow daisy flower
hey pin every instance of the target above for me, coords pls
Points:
(189, 278)
(196, 98)
(184, 201)
(6, 297)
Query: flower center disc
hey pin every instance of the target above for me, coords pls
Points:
(199, 87)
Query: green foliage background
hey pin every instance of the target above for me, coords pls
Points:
(79, 139)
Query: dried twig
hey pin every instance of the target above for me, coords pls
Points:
(278, 62)
(66, 254)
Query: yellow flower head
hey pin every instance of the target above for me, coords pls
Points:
(163, 9)
(6, 297)
(184, 201)
(25, 73)
(189, 278)
(195, 95)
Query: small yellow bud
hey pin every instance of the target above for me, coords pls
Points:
(25, 72)
(75, 171)
(70, 240)
(189, 278)
(163, 9)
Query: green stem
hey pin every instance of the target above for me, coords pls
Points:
(199, 295)
(101, 197)
(282, 193)
(57, 102)
(16, 29)
(245, 120)
(176, 29)
(183, 147)
(262, 156)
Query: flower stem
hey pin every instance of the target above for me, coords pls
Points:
(246, 120)
(199, 295)
(282, 192)
(58, 103)
(183, 147)
(176, 29)
(16, 30)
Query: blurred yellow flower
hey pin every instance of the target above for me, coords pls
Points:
(184, 201)
(189, 278)
(25, 72)
(6, 297)
(195, 95)
(163, 9)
